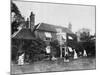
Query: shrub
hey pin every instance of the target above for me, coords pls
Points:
(55, 47)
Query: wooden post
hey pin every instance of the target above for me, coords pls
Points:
(60, 51)
(66, 44)
(65, 51)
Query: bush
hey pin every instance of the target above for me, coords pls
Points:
(34, 49)
(14, 51)
(89, 46)
(55, 48)
(31, 48)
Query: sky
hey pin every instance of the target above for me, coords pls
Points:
(60, 14)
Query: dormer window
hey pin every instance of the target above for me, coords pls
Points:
(48, 36)
(64, 38)
(48, 39)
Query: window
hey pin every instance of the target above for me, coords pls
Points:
(48, 39)
(48, 36)
(69, 37)
(64, 38)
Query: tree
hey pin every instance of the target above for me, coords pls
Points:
(14, 8)
(35, 49)
(84, 34)
(17, 18)
(87, 41)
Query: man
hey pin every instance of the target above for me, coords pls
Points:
(66, 57)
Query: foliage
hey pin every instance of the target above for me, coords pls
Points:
(87, 43)
(55, 47)
(33, 48)
(14, 8)
(14, 51)
(17, 18)
(90, 46)
(84, 34)
(34, 45)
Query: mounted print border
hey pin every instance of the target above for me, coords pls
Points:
(52, 37)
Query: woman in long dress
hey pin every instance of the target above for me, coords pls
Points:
(21, 59)
(48, 52)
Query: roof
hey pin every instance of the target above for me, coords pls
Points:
(52, 28)
(24, 34)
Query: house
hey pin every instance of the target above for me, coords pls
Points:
(46, 32)
(49, 32)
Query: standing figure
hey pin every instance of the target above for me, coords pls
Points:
(66, 57)
(75, 54)
(70, 50)
(48, 52)
(84, 54)
(21, 59)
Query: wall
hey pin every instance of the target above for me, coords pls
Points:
(41, 34)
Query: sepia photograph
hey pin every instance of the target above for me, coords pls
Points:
(52, 37)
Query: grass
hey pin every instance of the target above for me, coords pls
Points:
(52, 66)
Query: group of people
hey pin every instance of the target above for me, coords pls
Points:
(52, 57)
(75, 54)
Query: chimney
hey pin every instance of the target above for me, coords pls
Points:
(32, 21)
(27, 23)
(70, 26)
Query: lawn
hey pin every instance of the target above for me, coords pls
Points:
(82, 63)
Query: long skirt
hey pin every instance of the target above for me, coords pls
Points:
(20, 60)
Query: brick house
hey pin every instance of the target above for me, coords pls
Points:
(46, 32)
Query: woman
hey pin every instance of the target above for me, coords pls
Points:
(21, 59)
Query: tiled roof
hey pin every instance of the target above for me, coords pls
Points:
(52, 28)
(24, 34)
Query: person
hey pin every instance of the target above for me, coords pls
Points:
(70, 50)
(75, 55)
(84, 54)
(48, 49)
(21, 59)
(66, 57)
(48, 52)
